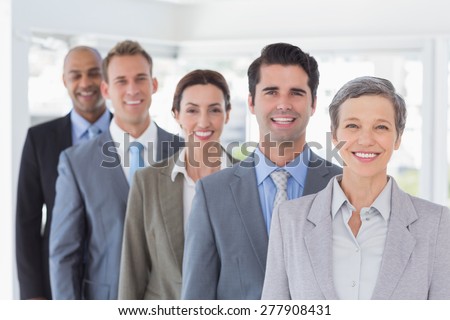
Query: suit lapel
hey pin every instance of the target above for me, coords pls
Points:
(399, 244)
(317, 176)
(245, 193)
(64, 134)
(319, 244)
(114, 174)
(171, 201)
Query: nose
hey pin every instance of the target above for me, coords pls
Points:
(366, 138)
(203, 120)
(284, 103)
(132, 88)
(85, 81)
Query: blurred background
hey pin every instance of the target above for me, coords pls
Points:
(406, 42)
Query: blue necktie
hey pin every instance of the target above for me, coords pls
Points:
(93, 131)
(136, 158)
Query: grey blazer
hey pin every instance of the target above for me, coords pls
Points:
(226, 240)
(415, 262)
(88, 216)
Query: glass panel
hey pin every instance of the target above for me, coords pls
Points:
(404, 70)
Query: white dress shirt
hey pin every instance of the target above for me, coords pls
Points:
(148, 139)
(188, 183)
(357, 261)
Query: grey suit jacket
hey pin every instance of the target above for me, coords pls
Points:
(415, 262)
(226, 240)
(88, 216)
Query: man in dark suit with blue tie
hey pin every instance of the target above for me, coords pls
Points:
(82, 77)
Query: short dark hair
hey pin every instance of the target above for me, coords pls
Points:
(368, 86)
(286, 55)
(201, 77)
(125, 48)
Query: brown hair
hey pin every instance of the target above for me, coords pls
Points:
(125, 48)
(201, 77)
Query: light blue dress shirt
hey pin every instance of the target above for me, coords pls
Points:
(297, 169)
(80, 125)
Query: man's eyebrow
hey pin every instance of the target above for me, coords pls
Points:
(298, 90)
(270, 88)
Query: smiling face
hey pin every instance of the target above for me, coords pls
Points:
(367, 126)
(82, 77)
(130, 87)
(283, 104)
(202, 113)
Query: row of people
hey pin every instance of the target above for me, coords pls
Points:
(187, 229)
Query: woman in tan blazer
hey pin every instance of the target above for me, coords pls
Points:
(361, 237)
(160, 197)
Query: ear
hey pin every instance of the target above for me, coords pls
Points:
(64, 80)
(155, 84)
(398, 142)
(313, 106)
(251, 106)
(227, 116)
(176, 116)
(333, 137)
(104, 88)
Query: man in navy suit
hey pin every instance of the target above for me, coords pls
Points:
(82, 76)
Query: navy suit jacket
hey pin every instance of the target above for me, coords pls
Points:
(36, 188)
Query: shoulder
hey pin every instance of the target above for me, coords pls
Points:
(316, 161)
(43, 128)
(428, 209)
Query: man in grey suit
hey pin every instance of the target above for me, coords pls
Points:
(227, 232)
(92, 186)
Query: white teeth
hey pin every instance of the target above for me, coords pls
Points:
(283, 120)
(86, 94)
(203, 133)
(365, 155)
(133, 102)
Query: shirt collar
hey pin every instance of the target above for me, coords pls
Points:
(297, 168)
(180, 165)
(382, 203)
(149, 135)
(80, 125)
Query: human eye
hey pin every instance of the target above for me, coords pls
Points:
(351, 126)
(74, 76)
(297, 93)
(191, 110)
(216, 110)
(382, 127)
(94, 73)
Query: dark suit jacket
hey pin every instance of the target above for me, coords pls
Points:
(36, 187)
(226, 239)
(89, 212)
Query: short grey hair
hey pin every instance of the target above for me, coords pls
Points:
(368, 86)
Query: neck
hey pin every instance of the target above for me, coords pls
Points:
(362, 191)
(134, 129)
(202, 160)
(281, 153)
(93, 115)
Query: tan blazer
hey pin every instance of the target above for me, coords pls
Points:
(152, 247)
(415, 262)
(153, 242)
